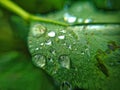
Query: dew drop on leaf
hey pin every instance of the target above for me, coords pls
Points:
(49, 42)
(79, 20)
(69, 18)
(88, 20)
(64, 61)
(51, 34)
(63, 31)
(38, 30)
(37, 49)
(61, 37)
(39, 60)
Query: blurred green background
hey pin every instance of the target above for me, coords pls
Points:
(16, 69)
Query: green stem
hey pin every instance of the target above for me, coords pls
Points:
(36, 18)
(25, 15)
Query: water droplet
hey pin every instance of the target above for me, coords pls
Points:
(61, 37)
(87, 51)
(53, 52)
(75, 49)
(49, 42)
(51, 60)
(80, 20)
(63, 31)
(70, 47)
(64, 44)
(38, 30)
(89, 20)
(42, 44)
(69, 18)
(82, 52)
(36, 49)
(39, 60)
(64, 61)
(51, 34)
(65, 86)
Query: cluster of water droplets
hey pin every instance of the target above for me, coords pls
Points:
(71, 19)
(40, 60)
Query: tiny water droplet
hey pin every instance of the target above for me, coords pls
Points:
(51, 60)
(49, 42)
(41, 44)
(61, 37)
(87, 51)
(80, 20)
(69, 18)
(53, 52)
(39, 60)
(51, 34)
(65, 86)
(70, 47)
(63, 31)
(89, 20)
(64, 44)
(38, 30)
(36, 49)
(64, 61)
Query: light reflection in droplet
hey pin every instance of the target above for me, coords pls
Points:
(64, 61)
(51, 34)
(69, 18)
(39, 60)
(61, 37)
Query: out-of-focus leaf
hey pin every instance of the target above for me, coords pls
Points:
(85, 12)
(83, 56)
(6, 34)
(18, 73)
(41, 6)
(20, 27)
(107, 4)
(16, 69)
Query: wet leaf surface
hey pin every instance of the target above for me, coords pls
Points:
(85, 56)
(81, 57)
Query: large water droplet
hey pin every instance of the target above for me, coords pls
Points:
(64, 61)
(51, 34)
(38, 30)
(39, 60)
(65, 86)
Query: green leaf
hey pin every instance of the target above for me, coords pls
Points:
(83, 56)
